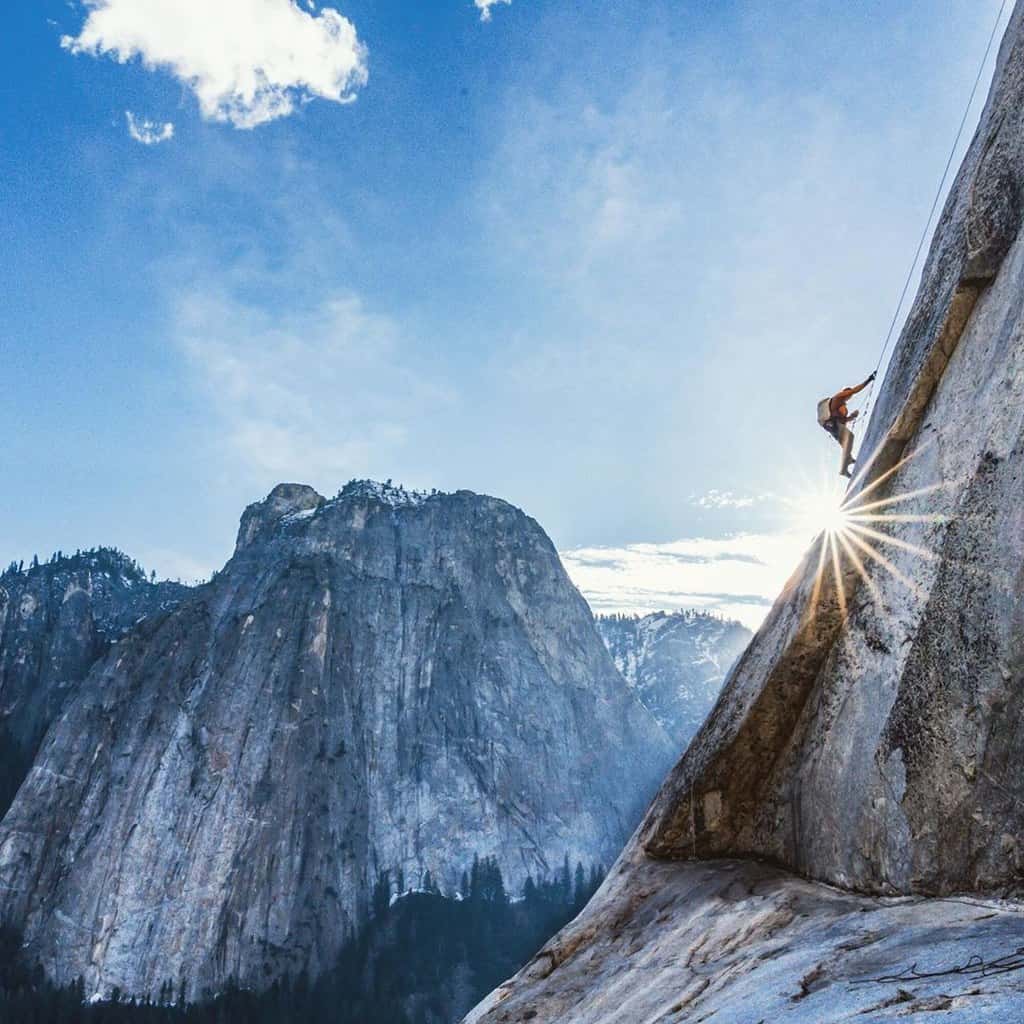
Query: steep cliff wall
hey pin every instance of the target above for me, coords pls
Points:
(864, 738)
(381, 681)
(870, 736)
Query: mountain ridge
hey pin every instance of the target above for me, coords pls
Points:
(57, 619)
(676, 662)
(372, 682)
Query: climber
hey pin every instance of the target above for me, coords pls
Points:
(834, 416)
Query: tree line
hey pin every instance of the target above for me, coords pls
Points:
(687, 614)
(100, 558)
(423, 957)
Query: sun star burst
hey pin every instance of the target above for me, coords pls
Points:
(854, 531)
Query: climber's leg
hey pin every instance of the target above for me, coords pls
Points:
(845, 439)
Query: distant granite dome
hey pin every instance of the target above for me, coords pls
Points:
(380, 681)
(675, 662)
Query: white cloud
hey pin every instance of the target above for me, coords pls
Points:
(247, 61)
(319, 394)
(737, 576)
(484, 7)
(149, 133)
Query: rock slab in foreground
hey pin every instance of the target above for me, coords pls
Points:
(736, 942)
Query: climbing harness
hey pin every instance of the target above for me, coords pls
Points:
(931, 213)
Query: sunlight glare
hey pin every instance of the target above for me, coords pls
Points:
(851, 531)
(823, 510)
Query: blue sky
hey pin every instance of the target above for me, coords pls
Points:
(599, 260)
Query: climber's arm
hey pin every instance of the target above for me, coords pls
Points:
(850, 392)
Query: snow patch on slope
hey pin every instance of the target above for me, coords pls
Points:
(675, 662)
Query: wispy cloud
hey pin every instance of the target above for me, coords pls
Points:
(738, 576)
(715, 499)
(318, 393)
(247, 61)
(149, 133)
(484, 7)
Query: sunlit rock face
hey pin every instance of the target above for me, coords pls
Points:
(381, 681)
(870, 737)
(675, 662)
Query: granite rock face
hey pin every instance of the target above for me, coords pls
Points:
(871, 735)
(675, 662)
(382, 681)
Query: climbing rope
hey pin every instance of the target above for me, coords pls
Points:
(931, 213)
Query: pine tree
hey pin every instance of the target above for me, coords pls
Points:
(529, 891)
(382, 893)
(580, 895)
